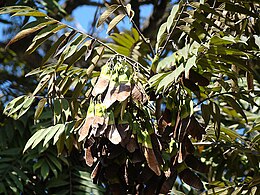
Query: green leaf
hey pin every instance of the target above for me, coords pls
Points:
(115, 21)
(59, 132)
(135, 34)
(53, 48)
(231, 133)
(236, 106)
(43, 82)
(13, 9)
(256, 139)
(33, 138)
(205, 113)
(255, 128)
(111, 9)
(45, 170)
(2, 188)
(239, 9)
(190, 63)
(74, 46)
(161, 35)
(39, 108)
(215, 112)
(34, 13)
(55, 161)
(51, 132)
(122, 40)
(80, 85)
(53, 168)
(11, 104)
(16, 181)
(65, 108)
(226, 40)
(170, 78)
(77, 55)
(172, 17)
(38, 164)
(18, 105)
(29, 29)
(166, 62)
(51, 29)
(57, 111)
(26, 106)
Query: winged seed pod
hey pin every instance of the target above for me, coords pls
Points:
(103, 80)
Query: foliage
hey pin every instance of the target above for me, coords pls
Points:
(139, 113)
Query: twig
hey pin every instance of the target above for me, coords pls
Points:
(138, 30)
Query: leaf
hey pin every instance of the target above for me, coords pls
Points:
(11, 104)
(57, 111)
(77, 55)
(29, 29)
(34, 13)
(236, 106)
(52, 167)
(115, 21)
(172, 17)
(239, 9)
(55, 161)
(26, 106)
(43, 82)
(59, 132)
(231, 133)
(122, 40)
(73, 46)
(35, 138)
(215, 112)
(13, 9)
(39, 108)
(65, 108)
(226, 40)
(205, 113)
(18, 105)
(113, 134)
(135, 34)
(53, 48)
(51, 132)
(50, 29)
(88, 157)
(255, 128)
(189, 64)
(160, 36)
(196, 164)
(170, 78)
(44, 170)
(111, 9)
(16, 181)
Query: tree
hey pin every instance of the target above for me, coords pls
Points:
(137, 111)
